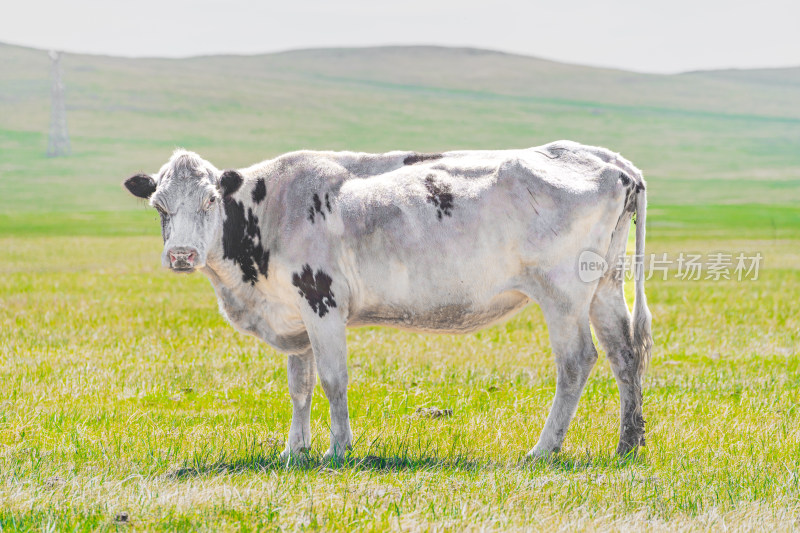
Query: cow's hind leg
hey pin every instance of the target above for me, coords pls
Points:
(302, 380)
(612, 324)
(575, 356)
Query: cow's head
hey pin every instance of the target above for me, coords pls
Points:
(187, 193)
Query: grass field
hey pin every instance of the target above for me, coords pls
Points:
(123, 391)
(127, 402)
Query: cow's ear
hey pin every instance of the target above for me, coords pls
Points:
(229, 182)
(141, 185)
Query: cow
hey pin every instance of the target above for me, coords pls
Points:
(300, 247)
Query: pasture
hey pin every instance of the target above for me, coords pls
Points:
(127, 401)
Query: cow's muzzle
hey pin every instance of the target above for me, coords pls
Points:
(182, 258)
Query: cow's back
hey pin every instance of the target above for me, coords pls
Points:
(447, 243)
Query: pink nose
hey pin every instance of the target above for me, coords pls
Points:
(182, 257)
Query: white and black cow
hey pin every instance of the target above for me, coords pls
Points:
(300, 247)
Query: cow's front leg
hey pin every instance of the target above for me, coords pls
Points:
(328, 340)
(302, 380)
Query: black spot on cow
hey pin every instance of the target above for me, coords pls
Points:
(413, 159)
(316, 207)
(328, 203)
(632, 187)
(229, 182)
(439, 194)
(315, 288)
(259, 191)
(626, 180)
(241, 241)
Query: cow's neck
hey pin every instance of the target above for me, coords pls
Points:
(252, 307)
(240, 252)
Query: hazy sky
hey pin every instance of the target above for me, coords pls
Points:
(642, 35)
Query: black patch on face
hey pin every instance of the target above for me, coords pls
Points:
(315, 288)
(241, 241)
(141, 185)
(317, 207)
(419, 158)
(260, 191)
(439, 194)
(229, 182)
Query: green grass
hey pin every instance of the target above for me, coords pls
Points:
(123, 390)
(55, 223)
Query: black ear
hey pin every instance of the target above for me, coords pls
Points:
(141, 185)
(229, 182)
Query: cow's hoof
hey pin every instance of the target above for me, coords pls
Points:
(629, 442)
(298, 454)
(627, 450)
(337, 453)
(631, 436)
(541, 453)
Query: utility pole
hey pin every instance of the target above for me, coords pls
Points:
(58, 142)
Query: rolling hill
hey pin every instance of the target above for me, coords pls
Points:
(701, 137)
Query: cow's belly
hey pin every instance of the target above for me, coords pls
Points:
(444, 318)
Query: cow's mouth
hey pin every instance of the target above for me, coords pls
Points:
(184, 268)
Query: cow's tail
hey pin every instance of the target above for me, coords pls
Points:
(637, 204)
(642, 336)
